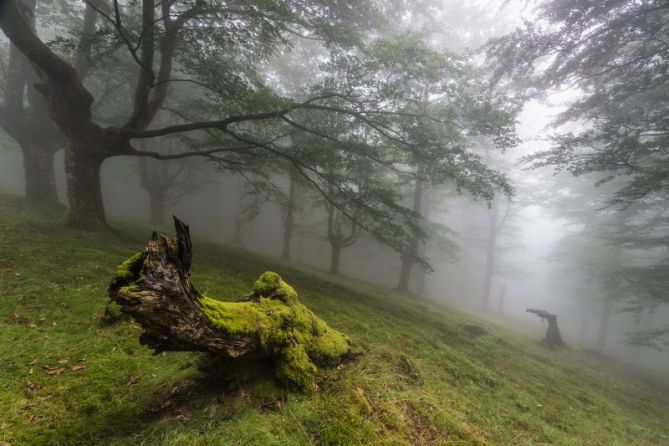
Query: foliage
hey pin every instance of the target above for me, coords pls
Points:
(387, 100)
(615, 53)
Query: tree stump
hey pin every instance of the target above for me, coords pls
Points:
(553, 337)
(153, 287)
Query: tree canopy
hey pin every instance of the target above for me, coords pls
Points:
(615, 52)
(390, 100)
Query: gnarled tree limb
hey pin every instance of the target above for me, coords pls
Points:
(553, 337)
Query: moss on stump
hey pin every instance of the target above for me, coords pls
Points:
(288, 330)
(154, 288)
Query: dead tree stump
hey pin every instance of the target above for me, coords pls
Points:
(153, 287)
(553, 337)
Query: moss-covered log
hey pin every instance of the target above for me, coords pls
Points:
(153, 287)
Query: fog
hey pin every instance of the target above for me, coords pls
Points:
(553, 236)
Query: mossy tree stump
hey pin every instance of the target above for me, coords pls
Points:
(153, 287)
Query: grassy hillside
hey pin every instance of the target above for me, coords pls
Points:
(428, 375)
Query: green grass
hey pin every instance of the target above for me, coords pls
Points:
(426, 377)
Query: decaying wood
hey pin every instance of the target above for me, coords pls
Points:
(553, 337)
(154, 288)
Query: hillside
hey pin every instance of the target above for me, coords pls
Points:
(428, 375)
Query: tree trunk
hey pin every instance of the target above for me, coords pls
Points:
(289, 218)
(82, 170)
(153, 287)
(157, 207)
(335, 255)
(25, 117)
(405, 273)
(287, 237)
(604, 324)
(407, 260)
(490, 256)
(39, 169)
(500, 301)
(300, 246)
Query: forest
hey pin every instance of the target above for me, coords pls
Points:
(334, 222)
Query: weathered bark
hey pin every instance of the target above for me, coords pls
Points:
(154, 288)
(553, 337)
(82, 170)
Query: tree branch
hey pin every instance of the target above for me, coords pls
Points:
(61, 75)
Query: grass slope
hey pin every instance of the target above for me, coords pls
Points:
(428, 376)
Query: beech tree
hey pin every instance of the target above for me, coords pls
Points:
(615, 53)
(289, 208)
(24, 116)
(238, 119)
(167, 182)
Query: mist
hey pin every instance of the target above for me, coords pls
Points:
(491, 157)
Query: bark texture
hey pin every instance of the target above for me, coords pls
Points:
(153, 287)
(553, 337)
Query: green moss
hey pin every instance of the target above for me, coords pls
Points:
(113, 313)
(295, 368)
(328, 347)
(270, 284)
(129, 269)
(237, 318)
(285, 328)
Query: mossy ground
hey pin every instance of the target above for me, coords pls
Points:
(422, 380)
